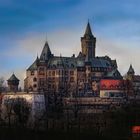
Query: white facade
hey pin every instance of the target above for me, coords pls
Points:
(35, 102)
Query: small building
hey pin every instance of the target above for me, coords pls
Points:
(13, 83)
(112, 86)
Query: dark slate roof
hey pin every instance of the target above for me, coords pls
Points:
(13, 78)
(88, 31)
(33, 66)
(100, 62)
(114, 74)
(113, 63)
(59, 61)
(73, 62)
(46, 52)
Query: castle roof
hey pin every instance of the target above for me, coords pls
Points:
(59, 61)
(73, 62)
(88, 31)
(114, 74)
(100, 62)
(46, 52)
(13, 78)
(34, 65)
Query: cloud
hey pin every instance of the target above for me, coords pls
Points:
(122, 51)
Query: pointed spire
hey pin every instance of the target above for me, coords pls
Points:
(131, 70)
(46, 52)
(88, 30)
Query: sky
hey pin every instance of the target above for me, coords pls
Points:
(25, 25)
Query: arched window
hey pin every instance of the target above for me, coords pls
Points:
(35, 79)
(34, 85)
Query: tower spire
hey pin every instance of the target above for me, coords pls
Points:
(46, 52)
(88, 30)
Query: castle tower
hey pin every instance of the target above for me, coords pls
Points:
(13, 83)
(88, 43)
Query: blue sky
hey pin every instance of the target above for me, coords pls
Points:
(24, 25)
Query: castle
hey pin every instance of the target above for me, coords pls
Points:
(76, 74)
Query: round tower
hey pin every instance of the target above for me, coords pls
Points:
(13, 83)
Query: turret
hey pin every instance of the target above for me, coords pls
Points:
(13, 83)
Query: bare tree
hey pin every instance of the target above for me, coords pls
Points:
(16, 110)
(22, 110)
(1, 84)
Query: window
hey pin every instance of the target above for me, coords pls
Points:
(72, 65)
(41, 71)
(71, 72)
(66, 72)
(32, 72)
(71, 79)
(41, 82)
(53, 73)
(53, 79)
(35, 79)
(59, 72)
(111, 94)
(34, 85)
